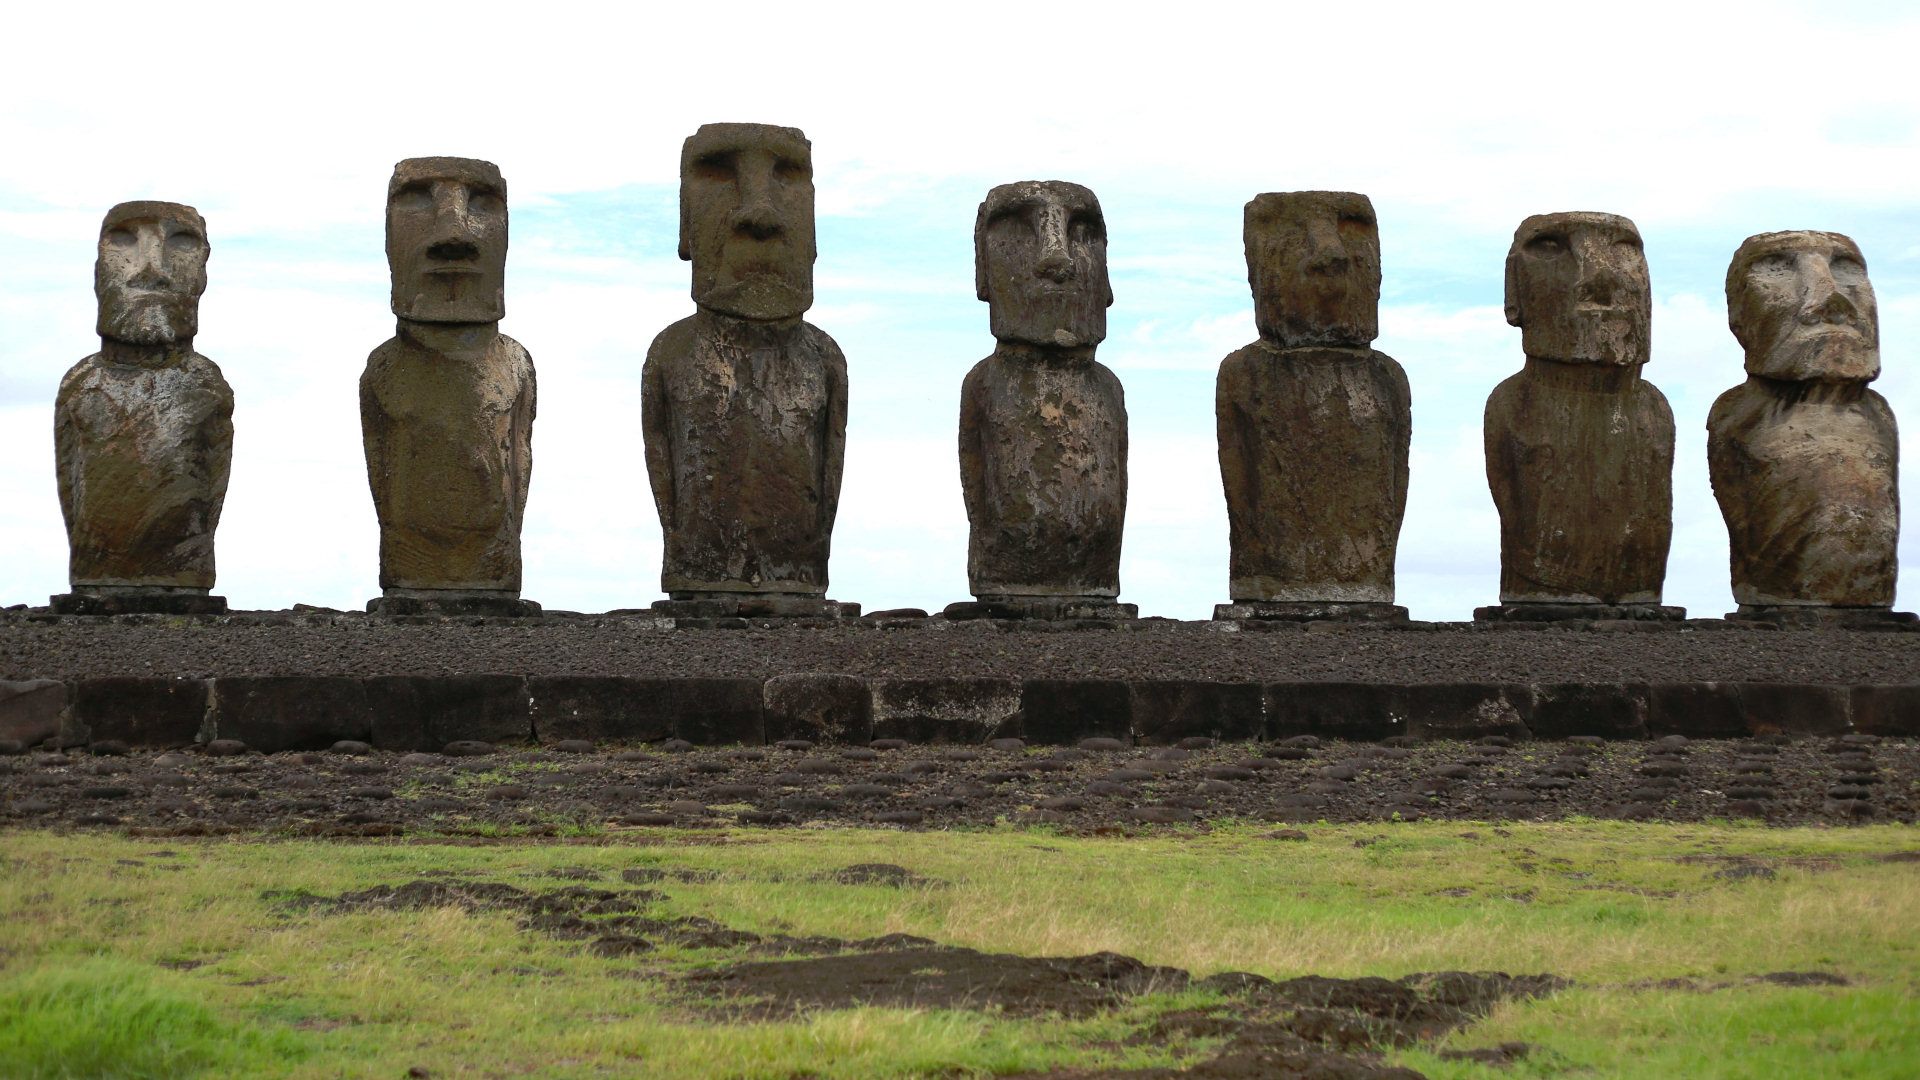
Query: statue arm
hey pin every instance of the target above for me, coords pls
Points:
(374, 429)
(656, 426)
(524, 409)
(973, 466)
(219, 434)
(835, 443)
(66, 445)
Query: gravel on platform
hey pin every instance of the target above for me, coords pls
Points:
(1162, 650)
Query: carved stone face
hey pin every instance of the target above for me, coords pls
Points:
(1040, 263)
(746, 219)
(1313, 259)
(150, 272)
(1802, 307)
(447, 240)
(1577, 287)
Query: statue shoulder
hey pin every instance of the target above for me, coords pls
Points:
(76, 377)
(674, 342)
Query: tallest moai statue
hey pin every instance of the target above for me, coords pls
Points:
(1314, 425)
(744, 404)
(1579, 446)
(143, 429)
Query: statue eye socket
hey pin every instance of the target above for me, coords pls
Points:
(182, 242)
(1546, 247)
(1771, 267)
(1849, 270)
(788, 169)
(483, 201)
(1086, 227)
(122, 238)
(413, 197)
(1014, 219)
(714, 167)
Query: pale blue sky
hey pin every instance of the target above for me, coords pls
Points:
(1458, 123)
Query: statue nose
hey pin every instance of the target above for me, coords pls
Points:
(454, 251)
(758, 220)
(1597, 285)
(1055, 266)
(1825, 303)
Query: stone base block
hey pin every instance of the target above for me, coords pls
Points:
(30, 711)
(818, 707)
(751, 606)
(1041, 607)
(1309, 611)
(453, 603)
(1826, 618)
(138, 602)
(1530, 613)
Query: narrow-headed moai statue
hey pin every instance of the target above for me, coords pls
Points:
(447, 404)
(1579, 446)
(1804, 458)
(744, 404)
(1314, 425)
(143, 429)
(1043, 426)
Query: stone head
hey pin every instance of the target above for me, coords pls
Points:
(447, 240)
(1802, 308)
(1040, 263)
(746, 219)
(1313, 259)
(1578, 289)
(150, 272)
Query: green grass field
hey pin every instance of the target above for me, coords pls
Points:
(117, 960)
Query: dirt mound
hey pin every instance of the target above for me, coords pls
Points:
(938, 978)
(1317, 1028)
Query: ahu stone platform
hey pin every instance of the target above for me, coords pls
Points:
(304, 680)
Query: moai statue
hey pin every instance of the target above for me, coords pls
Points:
(1579, 446)
(1043, 426)
(447, 404)
(1804, 458)
(1314, 425)
(744, 404)
(143, 429)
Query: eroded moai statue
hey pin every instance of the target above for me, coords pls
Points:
(1043, 426)
(447, 404)
(1580, 447)
(143, 429)
(1804, 457)
(744, 404)
(1314, 425)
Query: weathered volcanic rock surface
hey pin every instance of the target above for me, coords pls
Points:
(338, 645)
(480, 789)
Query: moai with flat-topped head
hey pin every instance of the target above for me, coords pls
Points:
(1580, 447)
(447, 405)
(1043, 426)
(1805, 459)
(143, 429)
(1314, 425)
(744, 404)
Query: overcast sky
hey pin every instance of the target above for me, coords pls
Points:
(281, 123)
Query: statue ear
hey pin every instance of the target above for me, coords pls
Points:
(686, 245)
(1514, 314)
(979, 263)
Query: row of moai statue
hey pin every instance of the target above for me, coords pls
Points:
(744, 411)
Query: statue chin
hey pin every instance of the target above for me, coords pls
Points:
(150, 326)
(763, 299)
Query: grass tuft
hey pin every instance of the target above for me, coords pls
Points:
(113, 1020)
